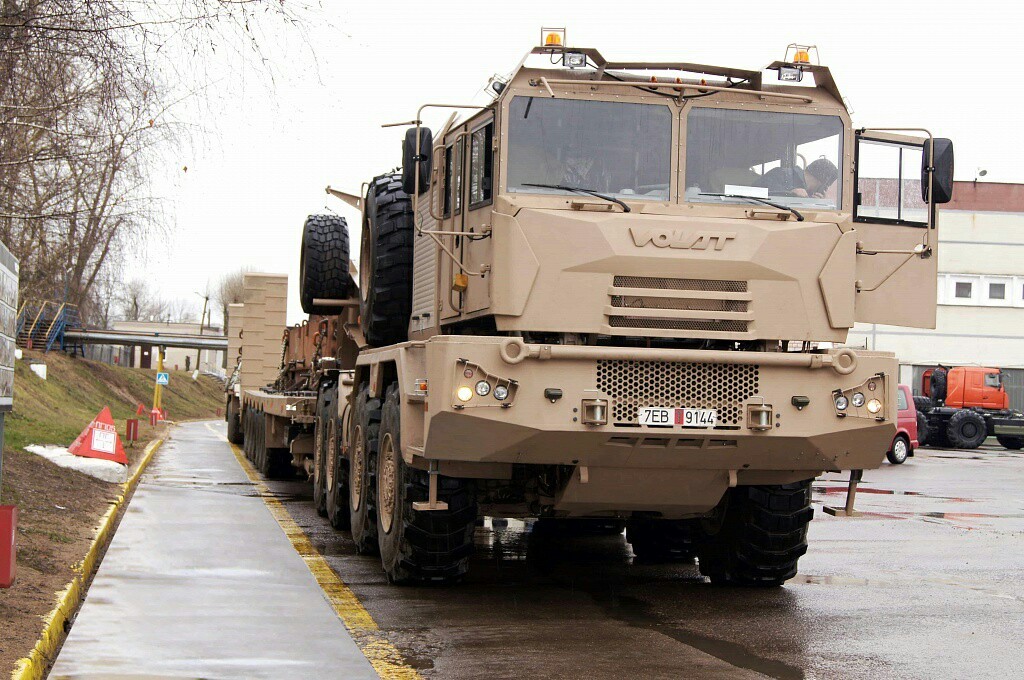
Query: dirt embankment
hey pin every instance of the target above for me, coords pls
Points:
(60, 508)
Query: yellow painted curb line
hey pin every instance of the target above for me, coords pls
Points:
(56, 623)
(378, 650)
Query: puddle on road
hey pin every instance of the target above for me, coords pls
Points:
(830, 490)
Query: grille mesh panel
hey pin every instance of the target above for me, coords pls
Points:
(633, 385)
(679, 324)
(635, 302)
(658, 283)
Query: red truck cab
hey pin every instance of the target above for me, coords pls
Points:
(905, 441)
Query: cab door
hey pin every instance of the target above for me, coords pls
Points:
(897, 255)
(477, 244)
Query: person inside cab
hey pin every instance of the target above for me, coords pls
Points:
(813, 182)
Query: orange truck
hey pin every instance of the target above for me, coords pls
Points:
(975, 406)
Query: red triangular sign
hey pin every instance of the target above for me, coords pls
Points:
(100, 440)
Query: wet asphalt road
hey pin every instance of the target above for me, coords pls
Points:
(927, 584)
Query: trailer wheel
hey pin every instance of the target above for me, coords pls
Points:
(323, 262)
(337, 477)
(662, 540)
(419, 545)
(760, 535)
(234, 422)
(922, 430)
(262, 454)
(363, 473)
(966, 429)
(922, 404)
(385, 262)
(321, 458)
(1012, 443)
(897, 455)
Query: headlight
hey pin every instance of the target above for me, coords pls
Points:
(464, 393)
(483, 388)
(842, 402)
(874, 406)
(858, 399)
(500, 392)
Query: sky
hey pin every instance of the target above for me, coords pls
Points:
(267, 139)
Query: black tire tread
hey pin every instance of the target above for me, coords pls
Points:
(323, 263)
(363, 523)
(387, 298)
(957, 421)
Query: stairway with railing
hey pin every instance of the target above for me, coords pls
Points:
(42, 326)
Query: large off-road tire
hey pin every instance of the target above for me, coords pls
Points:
(336, 482)
(663, 540)
(320, 455)
(323, 262)
(922, 404)
(1012, 443)
(759, 535)
(385, 268)
(923, 431)
(900, 450)
(362, 478)
(418, 545)
(234, 422)
(966, 429)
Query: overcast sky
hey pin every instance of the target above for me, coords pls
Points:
(264, 151)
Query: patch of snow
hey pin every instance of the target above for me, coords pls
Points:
(39, 369)
(106, 470)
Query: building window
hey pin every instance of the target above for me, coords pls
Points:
(997, 291)
(963, 290)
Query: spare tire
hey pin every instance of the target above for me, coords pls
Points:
(385, 262)
(1010, 442)
(922, 403)
(966, 429)
(323, 263)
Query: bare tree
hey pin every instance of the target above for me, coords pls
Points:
(136, 301)
(229, 291)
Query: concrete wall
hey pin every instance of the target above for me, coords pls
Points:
(264, 309)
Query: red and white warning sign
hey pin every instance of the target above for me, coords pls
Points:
(100, 440)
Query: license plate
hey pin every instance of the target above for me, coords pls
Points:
(670, 417)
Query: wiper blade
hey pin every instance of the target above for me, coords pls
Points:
(580, 190)
(764, 201)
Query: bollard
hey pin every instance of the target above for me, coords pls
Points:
(154, 417)
(131, 431)
(8, 534)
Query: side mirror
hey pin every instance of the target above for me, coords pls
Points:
(942, 171)
(414, 159)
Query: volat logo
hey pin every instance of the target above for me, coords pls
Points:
(674, 238)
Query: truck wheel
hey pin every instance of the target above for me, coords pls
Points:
(321, 458)
(922, 404)
(362, 472)
(323, 262)
(1012, 443)
(385, 262)
(760, 535)
(419, 545)
(262, 454)
(234, 424)
(897, 455)
(336, 478)
(966, 429)
(662, 540)
(922, 430)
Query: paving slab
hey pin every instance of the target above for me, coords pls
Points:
(200, 582)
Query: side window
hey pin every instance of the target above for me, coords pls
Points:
(453, 179)
(889, 183)
(481, 158)
(992, 380)
(901, 400)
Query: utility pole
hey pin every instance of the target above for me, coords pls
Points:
(202, 318)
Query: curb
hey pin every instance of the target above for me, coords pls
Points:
(58, 621)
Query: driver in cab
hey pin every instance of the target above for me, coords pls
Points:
(813, 182)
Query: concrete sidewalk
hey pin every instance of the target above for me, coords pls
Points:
(201, 582)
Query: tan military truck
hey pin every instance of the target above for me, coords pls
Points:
(620, 290)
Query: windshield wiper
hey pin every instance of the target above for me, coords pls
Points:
(780, 206)
(579, 190)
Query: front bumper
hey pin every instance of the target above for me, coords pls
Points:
(534, 426)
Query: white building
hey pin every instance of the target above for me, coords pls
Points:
(980, 316)
(176, 358)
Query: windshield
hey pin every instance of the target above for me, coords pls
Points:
(617, 149)
(790, 158)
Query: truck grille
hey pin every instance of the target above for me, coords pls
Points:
(705, 307)
(632, 385)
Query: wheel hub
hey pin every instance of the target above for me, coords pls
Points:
(355, 484)
(387, 477)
